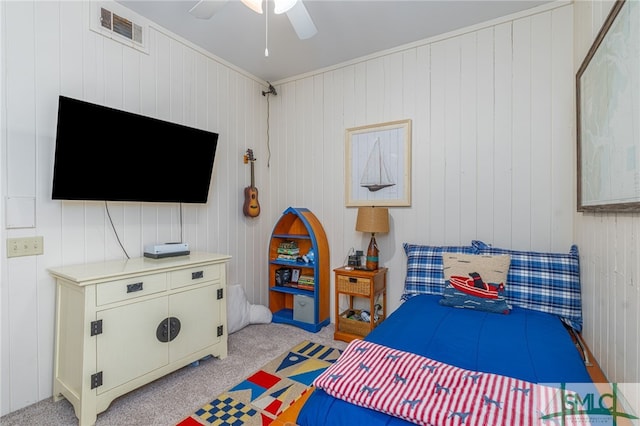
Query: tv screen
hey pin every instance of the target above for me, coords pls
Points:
(107, 154)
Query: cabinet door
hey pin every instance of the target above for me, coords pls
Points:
(128, 347)
(199, 313)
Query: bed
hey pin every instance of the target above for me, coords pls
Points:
(532, 342)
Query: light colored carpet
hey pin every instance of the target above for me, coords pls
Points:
(170, 399)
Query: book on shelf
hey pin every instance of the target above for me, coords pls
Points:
(306, 280)
(287, 257)
(288, 245)
(305, 284)
(289, 251)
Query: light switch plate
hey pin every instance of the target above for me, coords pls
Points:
(25, 246)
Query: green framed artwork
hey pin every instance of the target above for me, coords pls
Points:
(608, 115)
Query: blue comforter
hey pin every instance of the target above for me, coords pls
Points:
(524, 344)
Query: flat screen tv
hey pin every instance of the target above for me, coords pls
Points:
(112, 155)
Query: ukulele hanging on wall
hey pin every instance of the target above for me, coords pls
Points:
(251, 207)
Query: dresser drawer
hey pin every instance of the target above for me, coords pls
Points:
(116, 291)
(195, 275)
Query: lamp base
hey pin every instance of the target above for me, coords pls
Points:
(372, 254)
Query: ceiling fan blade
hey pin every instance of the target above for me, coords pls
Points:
(205, 9)
(301, 21)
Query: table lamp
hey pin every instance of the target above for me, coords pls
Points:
(372, 219)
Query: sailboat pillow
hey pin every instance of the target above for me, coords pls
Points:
(476, 281)
(493, 268)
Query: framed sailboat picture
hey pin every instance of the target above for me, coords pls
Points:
(378, 165)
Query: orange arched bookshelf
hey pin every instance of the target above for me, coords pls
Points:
(298, 283)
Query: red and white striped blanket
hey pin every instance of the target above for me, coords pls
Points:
(428, 392)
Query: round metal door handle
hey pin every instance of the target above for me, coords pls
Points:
(168, 329)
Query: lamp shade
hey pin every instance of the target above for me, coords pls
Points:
(372, 219)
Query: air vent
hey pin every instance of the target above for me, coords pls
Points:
(120, 26)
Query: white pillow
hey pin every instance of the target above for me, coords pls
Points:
(241, 313)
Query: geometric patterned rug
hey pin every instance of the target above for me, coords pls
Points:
(262, 396)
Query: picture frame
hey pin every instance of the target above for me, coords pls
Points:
(295, 275)
(608, 145)
(378, 164)
(283, 276)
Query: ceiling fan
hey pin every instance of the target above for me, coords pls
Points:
(295, 10)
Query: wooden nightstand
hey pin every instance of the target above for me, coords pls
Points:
(362, 284)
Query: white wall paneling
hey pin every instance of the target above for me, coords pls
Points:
(503, 104)
(48, 50)
(4, 323)
(609, 255)
(561, 128)
(484, 134)
(492, 110)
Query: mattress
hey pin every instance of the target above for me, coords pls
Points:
(525, 344)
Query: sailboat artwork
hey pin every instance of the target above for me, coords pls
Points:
(378, 164)
(376, 174)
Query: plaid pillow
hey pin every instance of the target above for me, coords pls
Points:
(424, 268)
(547, 282)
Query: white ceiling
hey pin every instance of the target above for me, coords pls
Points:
(346, 29)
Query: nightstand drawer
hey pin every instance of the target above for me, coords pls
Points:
(354, 285)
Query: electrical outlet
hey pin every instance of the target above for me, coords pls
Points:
(25, 246)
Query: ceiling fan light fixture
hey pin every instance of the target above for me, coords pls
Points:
(283, 6)
(255, 5)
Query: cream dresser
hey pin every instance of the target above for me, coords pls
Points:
(121, 324)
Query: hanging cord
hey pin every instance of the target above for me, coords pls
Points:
(106, 206)
(268, 143)
(271, 91)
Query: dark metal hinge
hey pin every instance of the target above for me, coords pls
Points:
(96, 380)
(220, 330)
(96, 327)
(220, 293)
